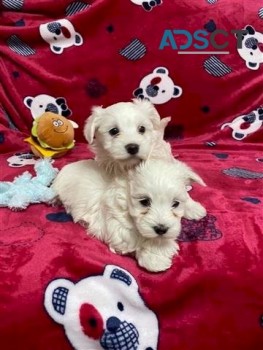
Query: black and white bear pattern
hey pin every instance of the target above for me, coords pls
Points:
(22, 159)
(40, 104)
(103, 312)
(60, 35)
(148, 5)
(246, 124)
(252, 48)
(158, 87)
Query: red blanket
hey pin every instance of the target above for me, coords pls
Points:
(60, 288)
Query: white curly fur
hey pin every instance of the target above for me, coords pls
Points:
(104, 194)
(110, 151)
(112, 211)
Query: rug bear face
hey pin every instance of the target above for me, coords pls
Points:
(148, 5)
(21, 159)
(252, 48)
(246, 124)
(60, 35)
(103, 312)
(158, 87)
(40, 104)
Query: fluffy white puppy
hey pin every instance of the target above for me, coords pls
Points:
(124, 134)
(139, 213)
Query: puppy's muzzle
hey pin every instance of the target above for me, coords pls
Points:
(132, 148)
(160, 229)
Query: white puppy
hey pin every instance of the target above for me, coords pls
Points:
(124, 134)
(138, 213)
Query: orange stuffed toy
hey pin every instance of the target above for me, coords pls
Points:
(52, 135)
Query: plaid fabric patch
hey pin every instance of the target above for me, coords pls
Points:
(59, 299)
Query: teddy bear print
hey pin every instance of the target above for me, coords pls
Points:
(201, 230)
(246, 124)
(59, 35)
(251, 50)
(103, 312)
(158, 87)
(21, 159)
(40, 104)
(148, 5)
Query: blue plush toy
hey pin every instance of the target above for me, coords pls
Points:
(26, 189)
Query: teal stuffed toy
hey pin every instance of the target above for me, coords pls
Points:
(26, 189)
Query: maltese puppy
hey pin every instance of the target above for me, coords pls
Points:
(138, 213)
(126, 133)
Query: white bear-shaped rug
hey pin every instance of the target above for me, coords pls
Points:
(103, 312)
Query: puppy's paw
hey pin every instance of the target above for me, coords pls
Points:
(121, 250)
(153, 262)
(120, 247)
(194, 211)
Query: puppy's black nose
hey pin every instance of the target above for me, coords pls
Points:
(160, 229)
(112, 324)
(132, 148)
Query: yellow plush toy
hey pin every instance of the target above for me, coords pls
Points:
(52, 135)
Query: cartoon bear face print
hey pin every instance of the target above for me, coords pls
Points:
(246, 124)
(22, 159)
(158, 87)
(103, 312)
(252, 48)
(40, 104)
(60, 35)
(148, 5)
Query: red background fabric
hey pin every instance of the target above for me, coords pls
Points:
(212, 295)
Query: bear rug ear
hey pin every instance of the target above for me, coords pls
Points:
(161, 70)
(250, 29)
(60, 100)
(177, 91)
(56, 299)
(120, 274)
(28, 101)
(78, 39)
(56, 49)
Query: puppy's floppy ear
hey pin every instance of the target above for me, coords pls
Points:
(163, 124)
(187, 174)
(149, 110)
(165, 121)
(92, 123)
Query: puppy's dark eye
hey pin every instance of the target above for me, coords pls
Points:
(145, 202)
(120, 306)
(114, 131)
(175, 204)
(141, 129)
